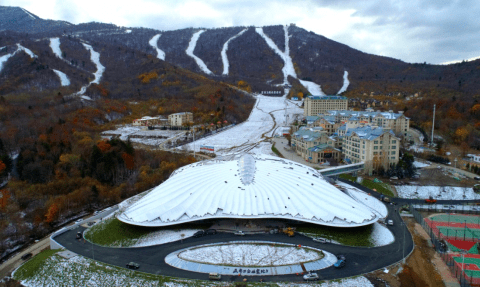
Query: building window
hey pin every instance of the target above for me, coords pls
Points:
(375, 142)
(375, 147)
(394, 141)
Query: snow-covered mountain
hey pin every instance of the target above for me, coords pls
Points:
(263, 57)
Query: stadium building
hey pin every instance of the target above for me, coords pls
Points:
(249, 187)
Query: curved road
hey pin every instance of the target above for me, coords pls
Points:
(151, 259)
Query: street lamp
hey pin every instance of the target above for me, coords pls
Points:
(463, 251)
(404, 228)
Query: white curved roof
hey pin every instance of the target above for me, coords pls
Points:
(247, 187)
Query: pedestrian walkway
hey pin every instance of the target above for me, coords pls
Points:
(172, 259)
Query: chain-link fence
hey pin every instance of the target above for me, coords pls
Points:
(465, 277)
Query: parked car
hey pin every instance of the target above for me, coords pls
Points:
(310, 276)
(26, 256)
(214, 276)
(239, 233)
(79, 235)
(339, 264)
(133, 265)
(476, 178)
(320, 240)
(210, 232)
(78, 221)
(390, 222)
(394, 178)
(199, 234)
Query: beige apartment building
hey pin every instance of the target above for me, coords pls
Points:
(179, 119)
(314, 145)
(376, 147)
(321, 104)
(398, 122)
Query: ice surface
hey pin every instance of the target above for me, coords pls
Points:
(55, 45)
(288, 68)
(191, 48)
(224, 52)
(249, 255)
(437, 192)
(345, 83)
(63, 77)
(153, 42)
(313, 88)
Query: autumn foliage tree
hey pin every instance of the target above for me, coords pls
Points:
(52, 213)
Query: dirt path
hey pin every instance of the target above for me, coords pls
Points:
(11, 264)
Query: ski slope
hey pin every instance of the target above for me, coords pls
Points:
(288, 68)
(224, 52)
(313, 88)
(153, 42)
(95, 57)
(267, 114)
(55, 45)
(345, 83)
(191, 48)
(63, 77)
(28, 51)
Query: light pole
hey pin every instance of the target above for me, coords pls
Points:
(463, 263)
(404, 227)
(455, 162)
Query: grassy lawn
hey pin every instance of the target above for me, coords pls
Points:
(113, 232)
(382, 188)
(275, 150)
(356, 236)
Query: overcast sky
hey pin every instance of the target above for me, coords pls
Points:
(432, 31)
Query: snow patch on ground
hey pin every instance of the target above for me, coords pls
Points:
(63, 77)
(249, 255)
(191, 48)
(224, 52)
(128, 31)
(164, 236)
(288, 68)
(420, 164)
(55, 45)
(153, 42)
(345, 83)
(313, 88)
(381, 236)
(137, 134)
(437, 192)
(373, 203)
(349, 282)
(4, 59)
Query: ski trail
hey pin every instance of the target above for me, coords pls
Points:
(63, 77)
(345, 83)
(4, 58)
(288, 68)
(28, 51)
(191, 47)
(313, 88)
(55, 45)
(95, 57)
(153, 43)
(224, 52)
(29, 14)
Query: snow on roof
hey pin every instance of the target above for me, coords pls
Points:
(247, 187)
(372, 114)
(329, 97)
(368, 132)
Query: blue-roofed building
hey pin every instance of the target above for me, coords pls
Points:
(306, 138)
(377, 147)
(320, 104)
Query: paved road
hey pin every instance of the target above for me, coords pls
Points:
(151, 259)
